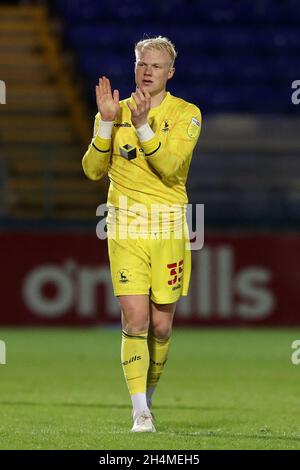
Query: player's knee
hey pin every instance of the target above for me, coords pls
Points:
(135, 326)
(135, 314)
(161, 331)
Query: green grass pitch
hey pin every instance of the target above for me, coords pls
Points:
(221, 389)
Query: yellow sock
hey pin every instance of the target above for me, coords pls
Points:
(135, 361)
(158, 351)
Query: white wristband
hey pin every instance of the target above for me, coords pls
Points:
(105, 129)
(145, 133)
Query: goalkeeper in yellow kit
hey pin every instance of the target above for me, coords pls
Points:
(145, 144)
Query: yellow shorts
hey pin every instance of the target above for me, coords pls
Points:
(154, 266)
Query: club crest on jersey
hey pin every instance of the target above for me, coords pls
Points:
(166, 125)
(194, 128)
(128, 152)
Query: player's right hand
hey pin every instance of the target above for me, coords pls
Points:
(107, 103)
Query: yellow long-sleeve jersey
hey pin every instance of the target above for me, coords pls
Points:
(151, 172)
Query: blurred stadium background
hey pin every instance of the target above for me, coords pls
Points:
(237, 62)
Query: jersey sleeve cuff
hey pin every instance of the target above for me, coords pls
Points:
(100, 144)
(151, 146)
(105, 129)
(145, 133)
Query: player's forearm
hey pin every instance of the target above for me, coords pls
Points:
(166, 159)
(96, 160)
(151, 145)
(171, 157)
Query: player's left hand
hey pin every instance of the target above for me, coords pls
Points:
(139, 115)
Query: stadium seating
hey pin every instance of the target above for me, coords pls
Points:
(44, 130)
(254, 44)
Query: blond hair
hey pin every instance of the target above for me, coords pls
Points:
(159, 43)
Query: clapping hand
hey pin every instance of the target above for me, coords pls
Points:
(139, 114)
(107, 103)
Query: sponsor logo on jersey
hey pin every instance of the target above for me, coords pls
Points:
(128, 152)
(122, 124)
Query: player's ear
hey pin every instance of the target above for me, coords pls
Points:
(171, 72)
